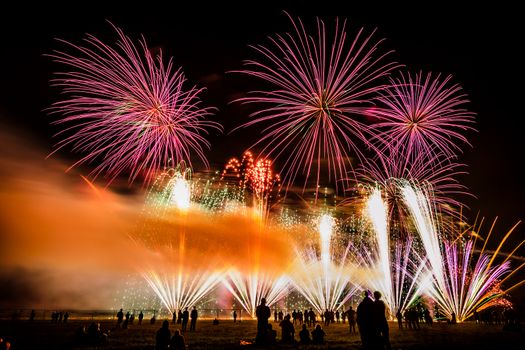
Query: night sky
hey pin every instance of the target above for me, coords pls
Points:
(479, 46)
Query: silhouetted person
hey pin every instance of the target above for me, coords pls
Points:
(141, 316)
(304, 335)
(32, 316)
(66, 316)
(185, 319)
(94, 335)
(194, 315)
(60, 317)
(365, 320)
(152, 320)
(343, 316)
(350, 314)
(179, 317)
(271, 335)
(234, 316)
(287, 330)
(399, 317)
(453, 319)
(163, 336)
(428, 318)
(120, 317)
(318, 335)
(177, 341)
(337, 316)
(132, 318)
(174, 319)
(311, 317)
(381, 324)
(263, 314)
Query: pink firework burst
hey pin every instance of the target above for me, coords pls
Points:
(321, 87)
(422, 115)
(127, 109)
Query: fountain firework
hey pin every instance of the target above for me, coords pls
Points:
(395, 275)
(171, 271)
(324, 282)
(454, 278)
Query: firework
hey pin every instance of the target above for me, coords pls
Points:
(422, 115)
(319, 277)
(248, 289)
(455, 279)
(257, 176)
(394, 275)
(178, 271)
(127, 109)
(321, 87)
(436, 173)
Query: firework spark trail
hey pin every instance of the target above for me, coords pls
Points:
(377, 212)
(397, 274)
(178, 291)
(127, 109)
(249, 289)
(324, 283)
(450, 279)
(426, 225)
(422, 115)
(321, 87)
(262, 180)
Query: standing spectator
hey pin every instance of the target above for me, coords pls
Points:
(141, 316)
(381, 323)
(399, 317)
(365, 321)
(185, 319)
(234, 316)
(194, 315)
(351, 320)
(120, 318)
(263, 314)
(32, 316)
(312, 317)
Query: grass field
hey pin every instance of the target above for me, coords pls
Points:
(227, 335)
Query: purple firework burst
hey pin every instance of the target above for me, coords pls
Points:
(320, 89)
(422, 115)
(127, 109)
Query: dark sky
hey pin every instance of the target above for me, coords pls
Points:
(478, 45)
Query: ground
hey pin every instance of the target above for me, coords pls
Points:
(227, 335)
